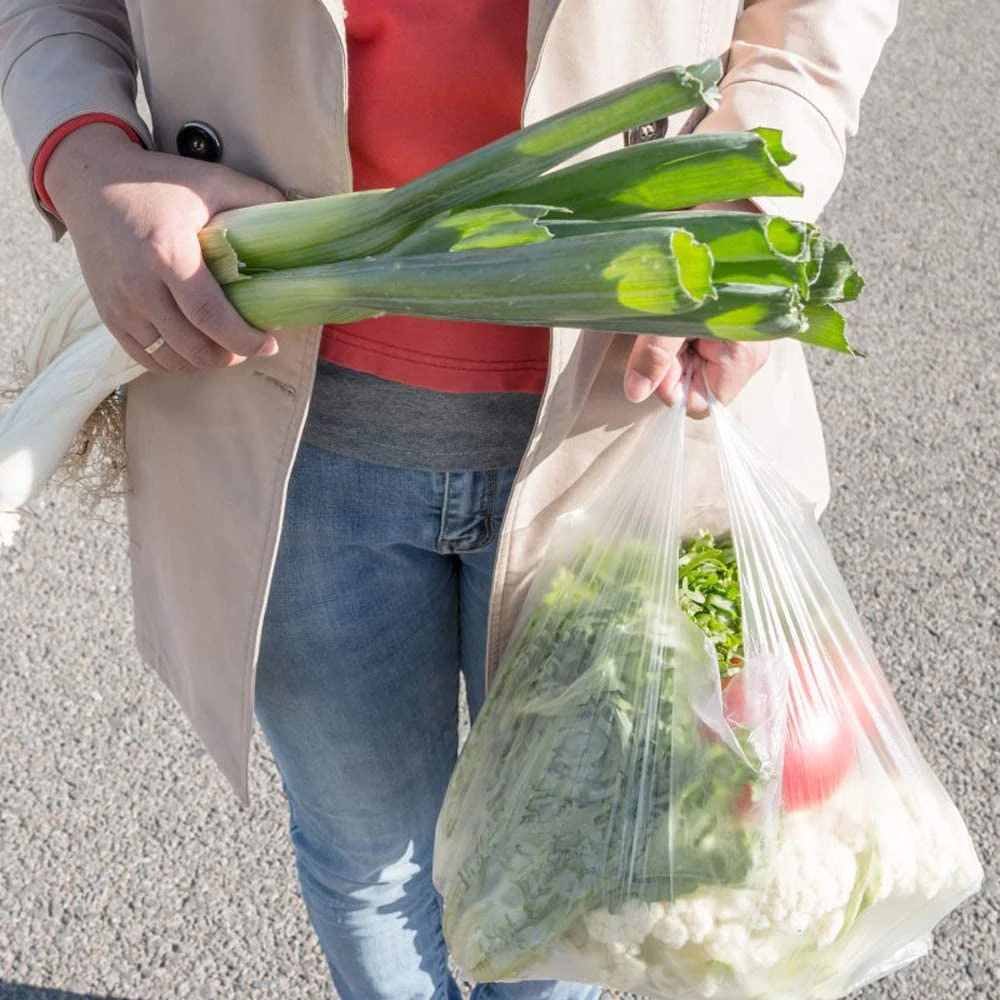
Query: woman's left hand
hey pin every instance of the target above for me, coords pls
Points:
(659, 364)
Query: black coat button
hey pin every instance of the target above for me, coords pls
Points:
(199, 141)
(647, 132)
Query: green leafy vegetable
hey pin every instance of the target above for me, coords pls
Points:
(709, 593)
(598, 677)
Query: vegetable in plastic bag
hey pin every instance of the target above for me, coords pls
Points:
(691, 779)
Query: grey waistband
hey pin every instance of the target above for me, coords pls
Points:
(387, 423)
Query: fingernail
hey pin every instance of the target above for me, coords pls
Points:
(269, 349)
(637, 387)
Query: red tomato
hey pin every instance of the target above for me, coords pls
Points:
(820, 750)
(734, 700)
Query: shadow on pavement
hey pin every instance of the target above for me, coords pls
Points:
(20, 991)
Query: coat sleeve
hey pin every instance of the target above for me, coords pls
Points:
(60, 60)
(802, 66)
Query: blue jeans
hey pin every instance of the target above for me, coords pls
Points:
(379, 603)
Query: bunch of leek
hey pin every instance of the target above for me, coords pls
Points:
(503, 235)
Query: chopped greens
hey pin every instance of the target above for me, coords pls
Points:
(709, 593)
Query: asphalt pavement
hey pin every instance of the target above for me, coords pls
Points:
(127, 868)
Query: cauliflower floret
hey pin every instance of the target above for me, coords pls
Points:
(619, 949)
(828, 927)
(629, 972)
(710, 984)
(945, 856)
(814, 874)
(600, 925)
(698, 915)
(637, 920)
(853, 822)
(729, 942)
(736, 904)
(896, 849)
(765, 952)
(671, 929)
(618, 939)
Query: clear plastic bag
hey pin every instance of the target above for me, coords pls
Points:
(730, 809)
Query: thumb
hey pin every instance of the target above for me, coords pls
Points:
(653, 365)
(235, 190)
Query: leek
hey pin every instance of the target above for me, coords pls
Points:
(75, 364)
(497, 264)
(505, 236)
(324, 230)
(641, 272)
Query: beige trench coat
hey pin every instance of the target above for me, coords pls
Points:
(210, 453)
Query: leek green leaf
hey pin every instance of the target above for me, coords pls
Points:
(837, 279)
(731, 236)
(678, 172)
(493, 227)
(825, 328)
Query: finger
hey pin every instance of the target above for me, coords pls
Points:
(167, 320)
(669, 390)
(134, 336)
(135, 350)
(164, 358)
(729, 366)
(652, 362)
(743, 205)
(697, 399)
(206, 308)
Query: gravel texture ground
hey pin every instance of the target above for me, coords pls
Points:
(127, 868)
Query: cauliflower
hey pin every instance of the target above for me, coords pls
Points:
(814, 874)
(672, 930)
(830, 867)
(638, 920)
(698, 915)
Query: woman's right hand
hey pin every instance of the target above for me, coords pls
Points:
(134, 217)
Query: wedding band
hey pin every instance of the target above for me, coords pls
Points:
(155, 346)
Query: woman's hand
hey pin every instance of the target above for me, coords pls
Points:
(134, 217)
(659, 364)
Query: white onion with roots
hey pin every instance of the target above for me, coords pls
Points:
(73, 364)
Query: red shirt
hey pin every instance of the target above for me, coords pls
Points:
(431, 80)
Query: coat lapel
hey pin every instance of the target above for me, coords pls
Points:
(540, 15)
(335, 8)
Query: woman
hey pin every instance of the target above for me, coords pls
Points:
(412, 497)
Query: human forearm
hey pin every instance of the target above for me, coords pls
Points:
(803, 66)
(81, 163)
(60, 60)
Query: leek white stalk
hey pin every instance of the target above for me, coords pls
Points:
(74, 364)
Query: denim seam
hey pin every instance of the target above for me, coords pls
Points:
(489, 513)
(443, 528)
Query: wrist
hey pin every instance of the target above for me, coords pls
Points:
(78, 165)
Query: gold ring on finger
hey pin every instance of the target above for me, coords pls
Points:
(155, 346)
